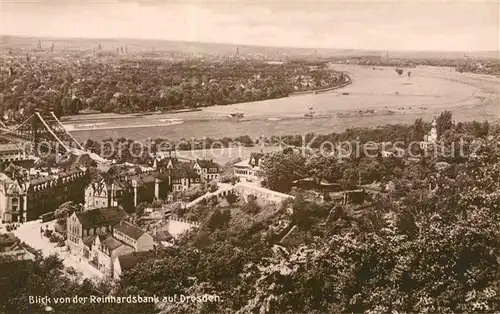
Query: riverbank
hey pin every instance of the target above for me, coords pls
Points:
(427, 93)
(96, 116)
(112, 116)
(323, 90)
(104, 126)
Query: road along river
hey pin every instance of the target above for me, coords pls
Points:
(377, 96)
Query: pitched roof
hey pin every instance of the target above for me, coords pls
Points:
(188, 172)
(102, 237)
(165, 161)
(179, 173)
(128, 261)
(111, 242)
(69, 172)
(118, 185)
(24, 163)
(129, 229)
(4, 177)
(163, 235)
(205, 163)
(8, 239)
(41, 180)
(145, 178)
(89, 240)
(100, 217)
(242, 164)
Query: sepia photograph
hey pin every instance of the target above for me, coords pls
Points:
(249, 156)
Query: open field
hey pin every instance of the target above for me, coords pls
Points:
(392, 98)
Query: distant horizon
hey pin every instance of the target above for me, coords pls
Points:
(398, 25)
(98, 39)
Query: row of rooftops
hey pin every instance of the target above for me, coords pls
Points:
(68, 169)
(206, 163)
(163, 172)
(39, 180)
(100, 217)
(178, 173)
(150, 177)
(129, 229)
(41, 171)
(128, 261)
(111, 242)
(96, 218)
(111, 216)
(46, 178)
(107, 240)
(116, 185)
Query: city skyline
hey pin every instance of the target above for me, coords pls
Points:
(368, 25)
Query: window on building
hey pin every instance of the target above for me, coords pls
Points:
(15, 204)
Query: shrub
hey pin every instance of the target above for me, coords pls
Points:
(232, 179)
(213, 201)
(251, 207)
(179, 211)
(53, 238)
(157, 204)
(231, 198)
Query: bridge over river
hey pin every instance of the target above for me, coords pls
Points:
(42, 133)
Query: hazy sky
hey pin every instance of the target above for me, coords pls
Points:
(394, 25)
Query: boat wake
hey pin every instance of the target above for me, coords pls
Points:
(72, 127)
(104, 126)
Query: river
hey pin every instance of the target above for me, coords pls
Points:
(389, 98)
